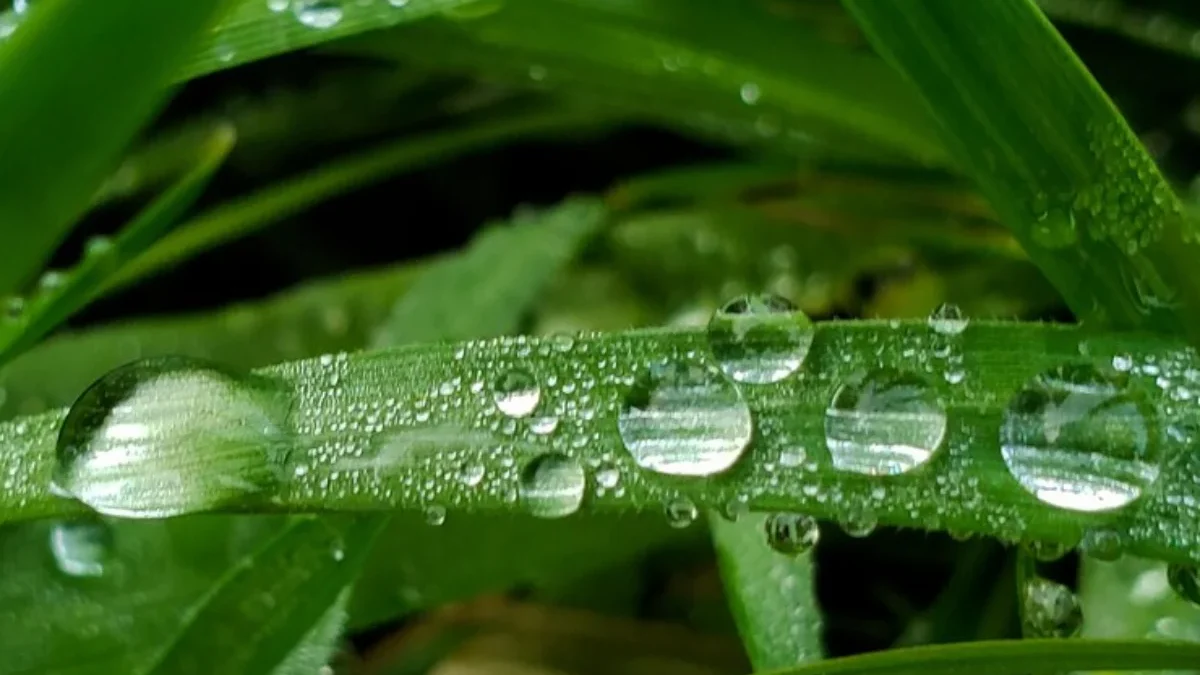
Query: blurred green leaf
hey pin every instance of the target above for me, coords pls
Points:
(104, 258)
(1052, 154)
(771, 594)
(1004, 657)
(78, 80)
(245, 215)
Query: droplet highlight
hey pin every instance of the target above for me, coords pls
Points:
(1079, 439)
(552, 486)
(82, 548)
(517, 393)
(887, 423)
(683, 420)
(173, 435)
(948, 319)
(318, 14)
(759, 339)
(792, 533)
(680, 512)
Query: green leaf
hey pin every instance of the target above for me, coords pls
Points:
(78, 80)
(105, 257)
(1003, 657)
(997, 359)
(771, 594)
(1131, 598)
(721, 67)
(253, 30)
(1052, 154)
(243, 216)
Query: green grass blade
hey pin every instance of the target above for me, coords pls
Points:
(78, 81)
(771, 594)
(255, 617)
(252, 30)
(1003, 657)
(718, 67)
(1051, 153)
(278, 202)
(1131, 598)
(997, 358)
(74, 289)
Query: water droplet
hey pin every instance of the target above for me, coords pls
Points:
(1185, 581)
(398, 3)
(792, 533)
(1047, 551)
(278, 6)
(100, 246)
(858, 522)
(680, 512)
(887, 423)
(735, 508)
(51, 280)
(1049, 610)
(435, 515)
(608, 477)
(759, 339)
(1078, 439)
(543, 426)
(14, 308)
(516, 393)
(81, 548)
(552, 486)
(471, 474)
(750, 93)
(319, 14)
(679, 419)
(173, 435)
(1102, 544)
(948, 319)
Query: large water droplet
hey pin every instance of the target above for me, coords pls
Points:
(682, 420)
(759, 339)
(948, 319)
(1185, 581)
(552, 486)
(1080, 440)
(319, 14)
(792, 533)
(173, 435)
(681, 512)
(516, 393)
(887, 423)
(1049, 610)
(81, 549)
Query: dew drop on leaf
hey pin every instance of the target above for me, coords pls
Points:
(1185, 581)
(435, 515)
(278, 6)
(682, 420)
(1047, 551)
(759, 339)
(1102, 544)
(608, 477)
(14, 308)
(173, 435)
(792, 533)
(1079, 439)
(319, 14)
(680, 512)
(81, 548)
(471, 474)
(887, 423)
(516, 393)
(1049, 610)
(552, 486)
(858, 522)
(948, 319)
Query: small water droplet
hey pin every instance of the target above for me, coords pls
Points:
(1047, 551)
(543, 426)
(1078, 439)
(81, 548)
(99, 247)
(858, 521)
(680, 512)
(735, 508)
(14, 308)
(1049, 610)
(608, 477)
(471, 474)
(948, 319)
(1185, 581)
(759, 339)
(792, 533)
(435, 515)
(887, 423)
(51, 280)
(319, 14)
(552, 486)
(173, 435)
(398, 3)
(750, 93)
(517, 393)
(679, 419)
(1102, 544)
(278, 6)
